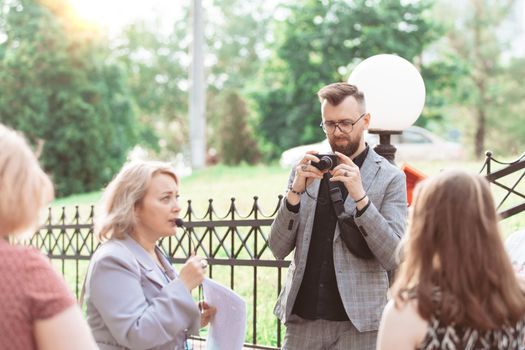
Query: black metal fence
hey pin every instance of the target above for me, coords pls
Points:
(509, 189)
(234, 244)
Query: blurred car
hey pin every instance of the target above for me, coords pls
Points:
(414, 144)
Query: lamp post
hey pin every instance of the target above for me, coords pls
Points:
(197, 94)
(385, 148)
(395, 96)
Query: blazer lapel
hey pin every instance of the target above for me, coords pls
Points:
(170, 271)
(151, 271)
(369, 169)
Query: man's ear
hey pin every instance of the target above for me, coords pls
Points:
(367, 120)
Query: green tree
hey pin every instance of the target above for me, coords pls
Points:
(318, 43)
(157, 62)
(236, 139)
(154, 58)
(484, 89)
(442, 80)
(509, 112)
(237, 41)
(57, 86)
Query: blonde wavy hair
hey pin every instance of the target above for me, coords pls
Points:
(116, 215)
(455, 264)
(25, 190)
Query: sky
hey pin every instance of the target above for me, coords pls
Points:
(113, 15)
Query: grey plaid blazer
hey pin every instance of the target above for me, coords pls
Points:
(363, 284)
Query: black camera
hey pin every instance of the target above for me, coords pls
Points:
(326, 161)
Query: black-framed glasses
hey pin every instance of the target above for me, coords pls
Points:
(346, 125)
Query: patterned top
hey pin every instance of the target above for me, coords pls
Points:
(30, 290)
(442, 337)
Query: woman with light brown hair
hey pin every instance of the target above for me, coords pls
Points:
(37, 311)
(456, 287)
(135, 298)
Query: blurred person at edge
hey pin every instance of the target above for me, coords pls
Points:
(456, 287)
(135, 298)
(332, 298)
(37, 310)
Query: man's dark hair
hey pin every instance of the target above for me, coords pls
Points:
(335, 93)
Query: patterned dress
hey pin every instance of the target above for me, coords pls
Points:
(443, 337)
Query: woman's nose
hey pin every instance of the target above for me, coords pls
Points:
(176, 207)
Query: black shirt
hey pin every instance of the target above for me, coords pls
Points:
(318, 296)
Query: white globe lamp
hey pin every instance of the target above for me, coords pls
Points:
(394, 93)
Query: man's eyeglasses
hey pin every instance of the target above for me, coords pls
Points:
(346, 125)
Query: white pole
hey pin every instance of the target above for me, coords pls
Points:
(197, 103)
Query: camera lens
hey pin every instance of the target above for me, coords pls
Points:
(324, 163)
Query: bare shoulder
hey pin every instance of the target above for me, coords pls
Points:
(401, 327)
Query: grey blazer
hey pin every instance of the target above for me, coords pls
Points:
(363, 284)
(132, 305)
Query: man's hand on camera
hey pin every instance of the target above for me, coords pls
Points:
(348, 173)
(305, 173)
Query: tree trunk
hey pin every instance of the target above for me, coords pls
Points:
(479, 140)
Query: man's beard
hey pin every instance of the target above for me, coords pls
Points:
(348, 150)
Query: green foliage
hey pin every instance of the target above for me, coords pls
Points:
(442, 79)
(486, 98)
(321, 42)
(237, 140)
(157, 64)
(57, 87)
(509, 112)
(153, 58)
(237, 39)
(61, 83)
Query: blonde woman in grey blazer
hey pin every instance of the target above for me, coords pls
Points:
(135, 299)
(332, 298)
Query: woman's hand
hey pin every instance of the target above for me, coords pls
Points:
(207, 312)
(192, 272)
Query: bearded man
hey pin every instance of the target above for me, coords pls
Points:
(333, 298)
